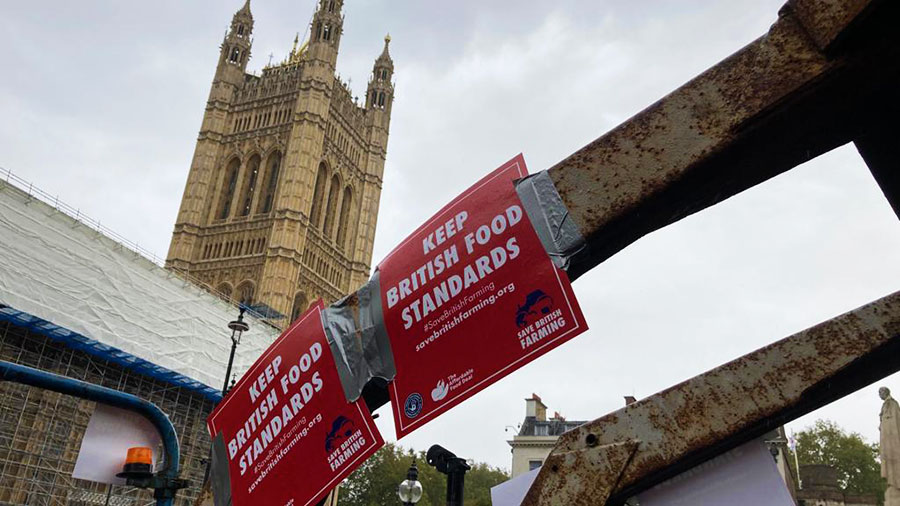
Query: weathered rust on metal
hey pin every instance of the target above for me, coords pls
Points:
(772, 105)
(627, 451)
(828, 21)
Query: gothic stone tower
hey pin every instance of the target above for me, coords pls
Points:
(282, 195)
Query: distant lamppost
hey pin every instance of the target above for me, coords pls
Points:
(410, 490)
(238, 327)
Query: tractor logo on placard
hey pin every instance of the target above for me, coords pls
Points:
(341, 428)
(537, 305)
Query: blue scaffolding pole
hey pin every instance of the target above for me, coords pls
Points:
(166, 482)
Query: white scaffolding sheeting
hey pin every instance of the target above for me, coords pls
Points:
(54, 267)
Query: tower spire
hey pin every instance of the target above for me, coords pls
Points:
(385, 54)
(236, 46)
(381, 91)
(243, 14)
(327, 26)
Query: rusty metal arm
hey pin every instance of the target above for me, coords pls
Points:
(612, 458)
(811, 84)
(827, 73)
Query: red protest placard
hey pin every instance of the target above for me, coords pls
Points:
(470, 297)
(289, 432)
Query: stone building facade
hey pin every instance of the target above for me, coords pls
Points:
(820, 488)
(537, 436)
(282, 196)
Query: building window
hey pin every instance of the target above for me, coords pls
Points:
(224, 290)
(268, 196)
(331, 209)
(245, 293)
(249, 186)
(346, 203)
(240, 30)
(541, 430)
(299, 306)
(227, 193)
(534, 464)
(235, 55)
(315, 214)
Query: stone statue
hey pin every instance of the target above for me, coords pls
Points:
(890, 447)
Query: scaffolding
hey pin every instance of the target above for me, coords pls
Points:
(41, 431)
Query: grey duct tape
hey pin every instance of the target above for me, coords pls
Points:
(358, 339)
(221, 482)
(355, 327)
(548, 214)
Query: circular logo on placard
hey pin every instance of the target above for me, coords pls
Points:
(413, 405)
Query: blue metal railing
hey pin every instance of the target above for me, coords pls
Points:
(166, 481)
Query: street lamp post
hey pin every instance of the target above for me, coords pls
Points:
(410, 490)
(238, 327)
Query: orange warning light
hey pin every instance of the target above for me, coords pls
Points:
(139, 455)
(138, 463)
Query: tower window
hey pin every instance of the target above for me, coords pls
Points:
(227, 194)
(326, 32)
(249, 186)
(346, 203)
(300, 304)
(265, 203)
(224, 289)
(240, 30)
(315, 214)
(331, 6)
(331, 208)
(245, 293)
(235, 55)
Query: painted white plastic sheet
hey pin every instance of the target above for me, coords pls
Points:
(56, 268)
(109, 434)
(745, 476)
(512, 492)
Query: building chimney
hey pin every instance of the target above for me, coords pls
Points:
(536, 408)
(629, 399)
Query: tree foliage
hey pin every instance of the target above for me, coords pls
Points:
(859, 470)
(375, 482)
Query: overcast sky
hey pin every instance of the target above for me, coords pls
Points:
(101, 102)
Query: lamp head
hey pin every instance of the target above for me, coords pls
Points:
(238, 327)
(410, 490)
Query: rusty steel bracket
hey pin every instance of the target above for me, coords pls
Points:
(811, 84)
(608, 460)
(827, 73)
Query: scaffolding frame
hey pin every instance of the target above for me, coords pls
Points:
(41, 431)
